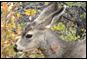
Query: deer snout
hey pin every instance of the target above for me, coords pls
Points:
(15, 48)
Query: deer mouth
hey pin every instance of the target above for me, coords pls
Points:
(16, 50)
(23, 50)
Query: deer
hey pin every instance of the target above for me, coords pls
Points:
(37, 34)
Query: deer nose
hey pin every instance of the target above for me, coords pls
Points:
(15, 48)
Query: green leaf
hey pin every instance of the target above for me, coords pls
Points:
(80, 15)
(78, 36)
(60, 24)
(69, 3)
(61, 3)
(11, 46)
(79, 5)
(21, 7)
(21, 16)
(21, 23)
(39, 11)
(33, 56)
(62, 31)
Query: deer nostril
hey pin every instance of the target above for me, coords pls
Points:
(15, 48)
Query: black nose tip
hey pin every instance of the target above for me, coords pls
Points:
(15, 48)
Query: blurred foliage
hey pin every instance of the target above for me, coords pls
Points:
(30, 12)
(8, 37)
(66, 35)
(69, 32)
(83, 15)
(69, 3)
(11, 30)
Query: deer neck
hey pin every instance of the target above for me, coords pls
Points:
(52, 44)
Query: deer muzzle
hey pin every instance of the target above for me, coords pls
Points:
(16, 50)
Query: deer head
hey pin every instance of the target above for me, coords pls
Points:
(34, 32)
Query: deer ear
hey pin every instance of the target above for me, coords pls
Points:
(47, 11)
(51, 19)
(56, 17)
(41, 20)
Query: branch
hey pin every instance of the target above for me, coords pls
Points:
(76, 6)
(80, 7)
(69, 12)
(68, 19)
(78, 23)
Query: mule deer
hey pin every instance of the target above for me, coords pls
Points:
(37, 34)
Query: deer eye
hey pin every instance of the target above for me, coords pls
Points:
(28, 36)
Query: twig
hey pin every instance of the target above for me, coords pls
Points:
(69, 12)
(69, 19)
(22, 55)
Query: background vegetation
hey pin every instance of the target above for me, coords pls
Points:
(15, 15)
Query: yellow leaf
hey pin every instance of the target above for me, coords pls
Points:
(26, 10)
(63, 26)
(70, 22)
(46, 3)
(37, 2)
(52, 28)
(37, 6)
(27, 13)
(55, 27)
(13, 35)
(9, 25)
(83, 29)
(58, 28)
(18, 14)
(12, 19)
(45, 48)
